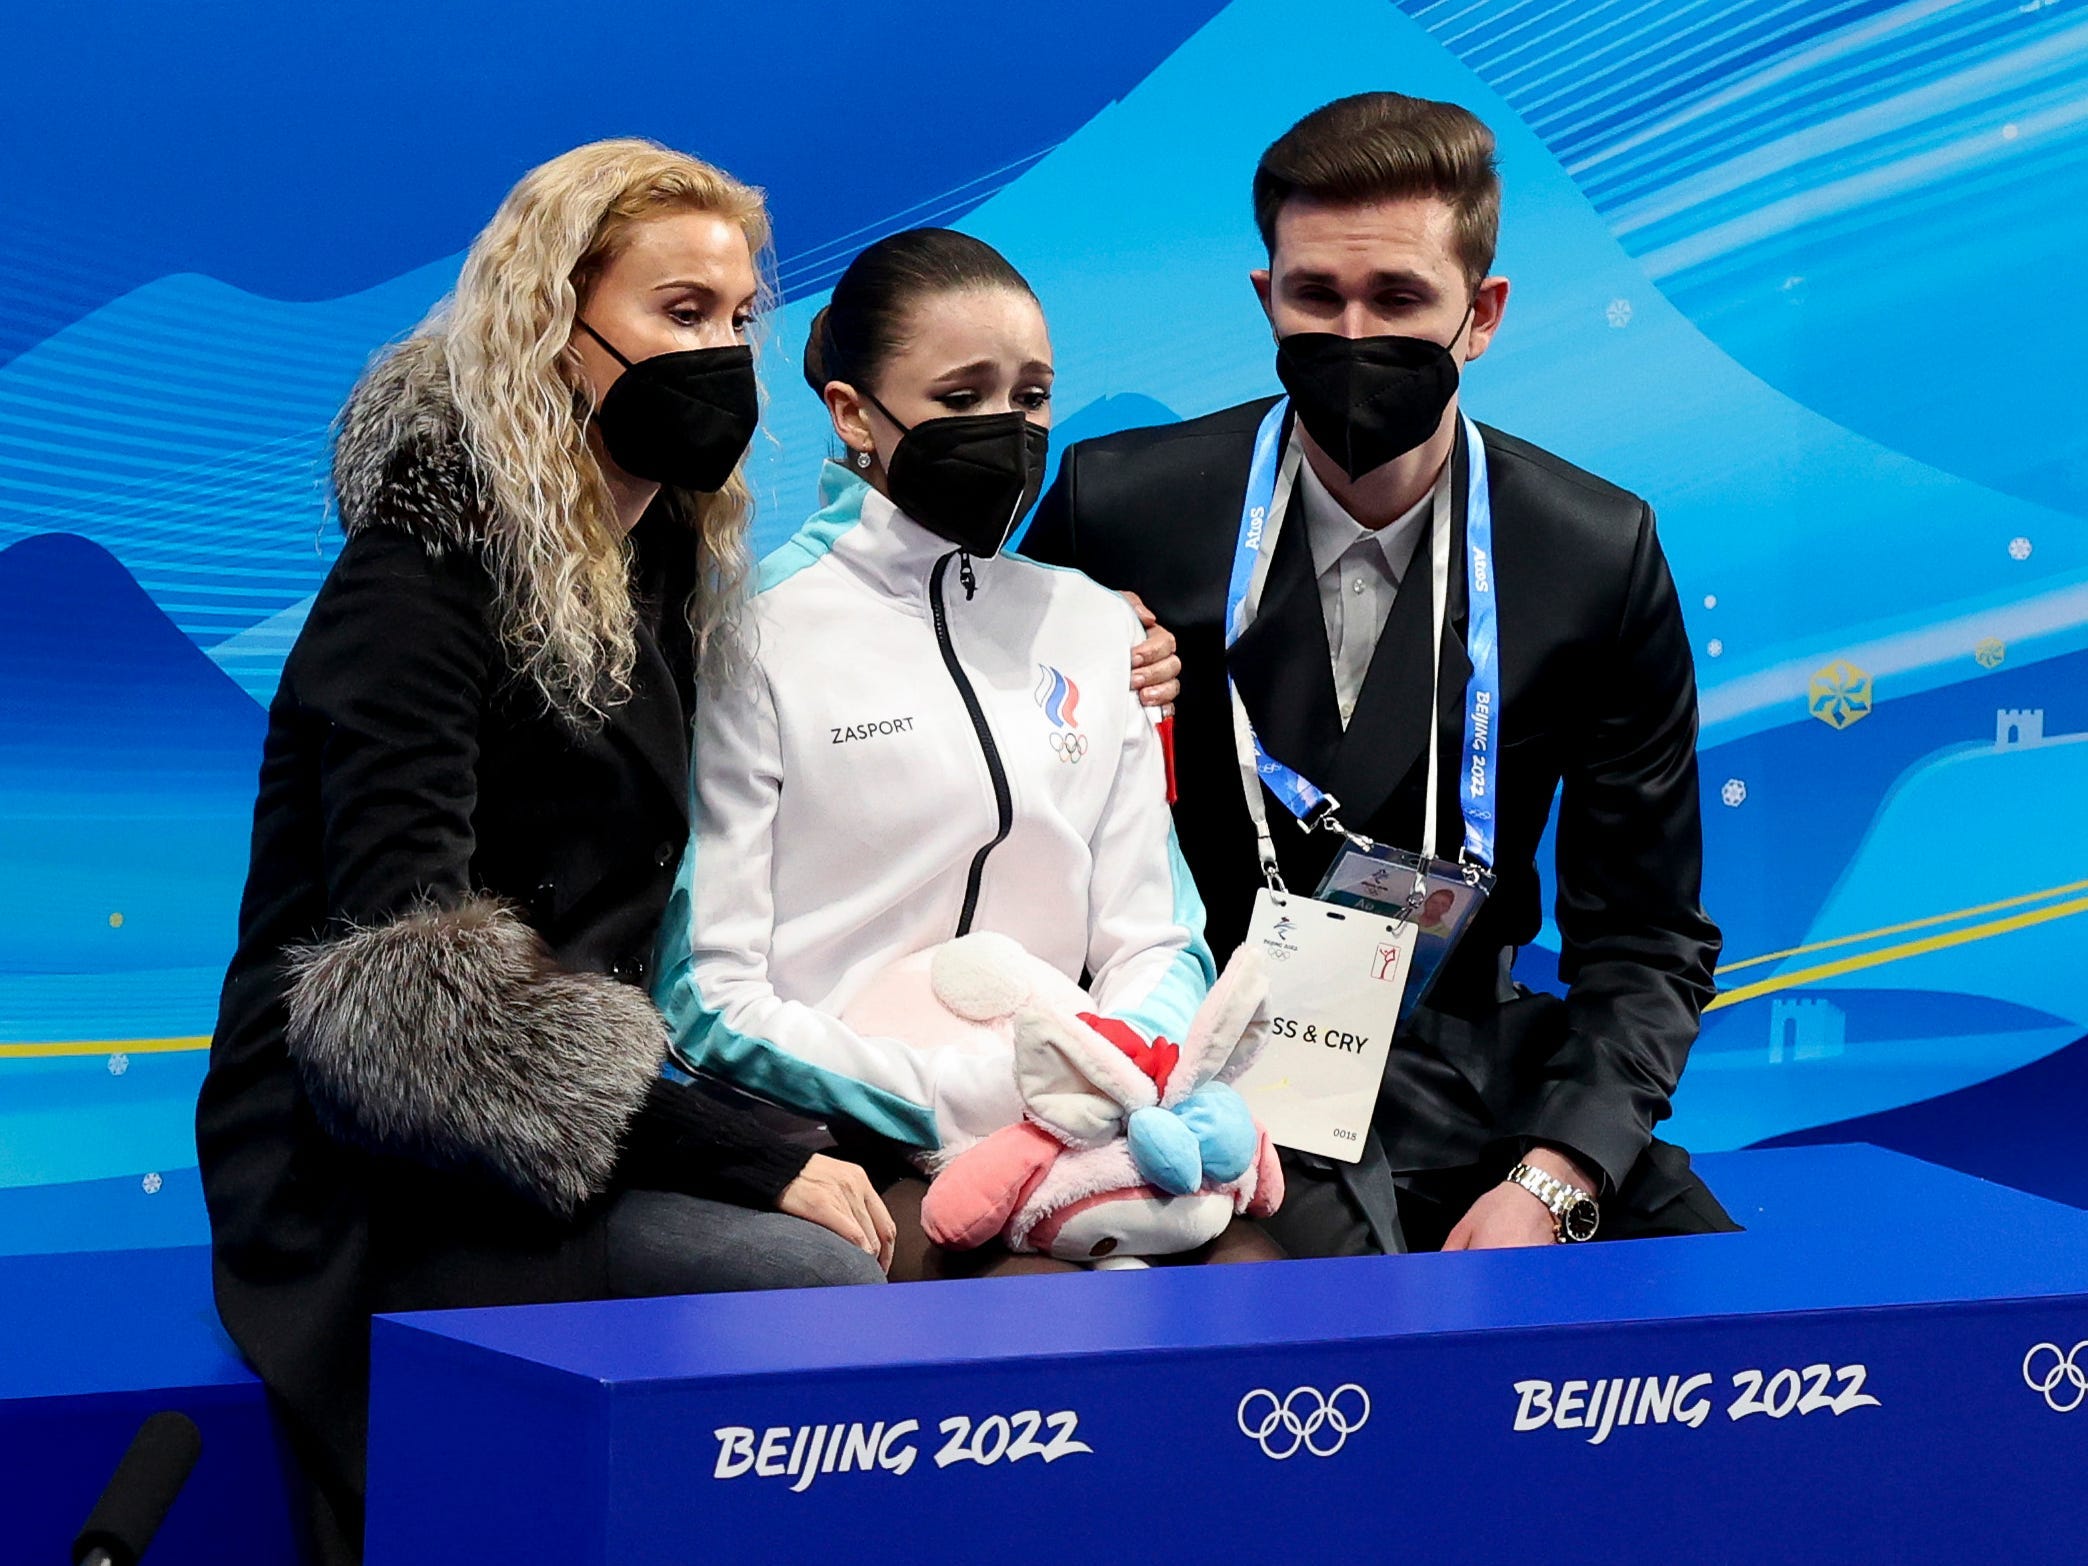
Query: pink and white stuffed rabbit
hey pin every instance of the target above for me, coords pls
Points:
(1126, 1147)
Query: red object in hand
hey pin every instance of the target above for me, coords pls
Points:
(1166, 727)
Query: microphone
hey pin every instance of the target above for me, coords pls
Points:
(140, 1491)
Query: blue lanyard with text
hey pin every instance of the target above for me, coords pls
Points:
(1478, 780)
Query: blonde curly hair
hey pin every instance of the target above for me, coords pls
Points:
(505, 339)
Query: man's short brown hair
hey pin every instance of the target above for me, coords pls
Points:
(1382, 146)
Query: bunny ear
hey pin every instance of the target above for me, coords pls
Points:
(1074, 1083)
(1229, 1030)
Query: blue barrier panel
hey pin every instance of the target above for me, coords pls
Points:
(90, 1344)
(1857, 1377)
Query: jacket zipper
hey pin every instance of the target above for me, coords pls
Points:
(1003, 801)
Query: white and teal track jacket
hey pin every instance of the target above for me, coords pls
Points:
(906, 762)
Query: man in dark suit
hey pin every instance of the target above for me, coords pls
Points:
(1503, 1113)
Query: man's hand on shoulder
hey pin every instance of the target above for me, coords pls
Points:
(1156, 670)
(1509, 1216)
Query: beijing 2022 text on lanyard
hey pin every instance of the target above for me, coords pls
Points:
(1347, 965)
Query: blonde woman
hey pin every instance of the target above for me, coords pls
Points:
(436, 1078)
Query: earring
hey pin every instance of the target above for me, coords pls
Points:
(863, 459)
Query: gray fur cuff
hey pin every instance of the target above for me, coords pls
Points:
(453, 1037)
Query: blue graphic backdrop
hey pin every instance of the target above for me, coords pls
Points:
(1796, 272)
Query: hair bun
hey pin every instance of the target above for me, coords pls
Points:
(866, 320)
(816, 375)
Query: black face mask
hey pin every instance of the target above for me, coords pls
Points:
(970, 477)
(1367, 400)
(680, 419)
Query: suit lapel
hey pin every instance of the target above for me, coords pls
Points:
(1281, 663)
(1387, 734)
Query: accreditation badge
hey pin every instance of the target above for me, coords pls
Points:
(1335, 980)
(1438, 897)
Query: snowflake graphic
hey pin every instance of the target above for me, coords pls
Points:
(1840, 694)
(152, 1183)
(1619, 312)
(119, 1063)
(2019, 549)
(1715, 648)
(1990, 651)
(1710, 600)
(1734, 793)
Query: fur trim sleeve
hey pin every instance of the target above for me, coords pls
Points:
(452, 1037)
(400, 459)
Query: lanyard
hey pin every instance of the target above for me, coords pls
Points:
(1271, 476)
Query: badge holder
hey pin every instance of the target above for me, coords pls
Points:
(1347, 966)
(1336, 975)
(1438, 897)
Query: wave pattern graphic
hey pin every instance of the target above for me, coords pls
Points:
(1849, 198)
(1677, 119)
(184, 428)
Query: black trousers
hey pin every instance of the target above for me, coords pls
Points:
(1321, 1216)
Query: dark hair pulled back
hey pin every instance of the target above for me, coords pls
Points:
(863, 324)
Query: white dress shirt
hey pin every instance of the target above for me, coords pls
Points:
(1359, 572)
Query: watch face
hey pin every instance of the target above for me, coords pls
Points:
(1580, 1220)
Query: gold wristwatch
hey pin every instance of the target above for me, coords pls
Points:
(1574, 1213)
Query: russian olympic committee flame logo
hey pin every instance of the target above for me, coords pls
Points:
(2060, 1377)
(1307, 1420)
(1060, 699)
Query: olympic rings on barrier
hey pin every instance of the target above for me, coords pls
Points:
(1296, 1421)
(1069, 746)
(2066, 1372)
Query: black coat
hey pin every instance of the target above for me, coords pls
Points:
(434, 1057)
(1598, 694)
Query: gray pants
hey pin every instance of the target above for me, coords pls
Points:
(664, 1243)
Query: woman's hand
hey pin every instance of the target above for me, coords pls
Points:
(1156, 673)
(839, 1196)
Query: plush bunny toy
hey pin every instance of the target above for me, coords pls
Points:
(1127, 1146)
